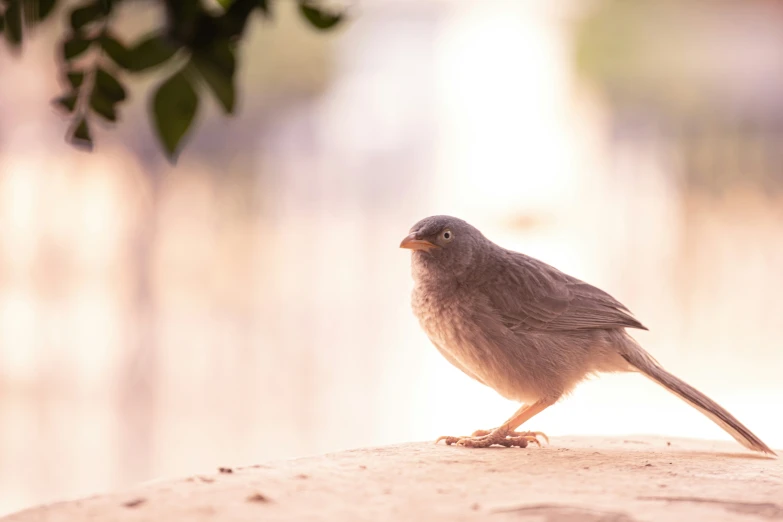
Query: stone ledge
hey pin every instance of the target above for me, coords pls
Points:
(572, 479)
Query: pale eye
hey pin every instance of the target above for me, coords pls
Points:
(447, 235)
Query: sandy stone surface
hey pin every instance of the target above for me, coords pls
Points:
(572, 479)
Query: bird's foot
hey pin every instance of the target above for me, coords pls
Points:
(499, 436)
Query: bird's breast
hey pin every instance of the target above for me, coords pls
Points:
(438, 315)
(458, 323)
(466, 330)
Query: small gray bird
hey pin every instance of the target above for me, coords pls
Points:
(527, 330)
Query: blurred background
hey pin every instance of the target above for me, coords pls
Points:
(252, 303)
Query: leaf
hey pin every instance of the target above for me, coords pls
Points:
(75, 46)
(86, 14)
(80, 134)
(2, 22)
(109, 86)
(217, 66)
(174, 107)
(13, 23)
(103, 106)
(182, 19)
(75, 78)
(317, 17)
(66, 102)
(264, 6)
(35, 11)
(41, 9)
(116, 50)
(150, 52)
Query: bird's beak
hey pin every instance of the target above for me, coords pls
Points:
(412, 243)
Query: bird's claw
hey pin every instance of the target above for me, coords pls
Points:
(530, 434)
(499, 436)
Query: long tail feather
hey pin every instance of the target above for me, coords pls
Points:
(651, 369)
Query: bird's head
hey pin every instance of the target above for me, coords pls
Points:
(444, 246)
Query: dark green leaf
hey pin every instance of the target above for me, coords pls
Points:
(264, 6)
(40, 9)
(221, 56)
(182, 19)
(66, 102)
(116, 50)
(80, 134)
(150, 52)
(74, 46)
(225, 3)
(174, 107)
(86, 14)
(13, 23)
(75, 78)
(317, 17)
(103, 105)
(217, 66)
(109, 86)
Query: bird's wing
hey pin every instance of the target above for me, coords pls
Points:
(533, 296)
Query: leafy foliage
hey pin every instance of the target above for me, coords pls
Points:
(175, 105)
(200, 44)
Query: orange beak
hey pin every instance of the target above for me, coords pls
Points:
(412, 243)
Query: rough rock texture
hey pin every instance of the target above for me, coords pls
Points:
(573, 479)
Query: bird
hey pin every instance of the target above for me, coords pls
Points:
(527, 330)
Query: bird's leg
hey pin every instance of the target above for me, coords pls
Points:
(505, 435)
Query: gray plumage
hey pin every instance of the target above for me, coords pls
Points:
(526, 329)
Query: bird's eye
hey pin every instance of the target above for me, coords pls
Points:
(447, 235)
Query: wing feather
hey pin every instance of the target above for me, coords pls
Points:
(533, 296)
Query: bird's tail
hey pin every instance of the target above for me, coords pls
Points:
(643, 362)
